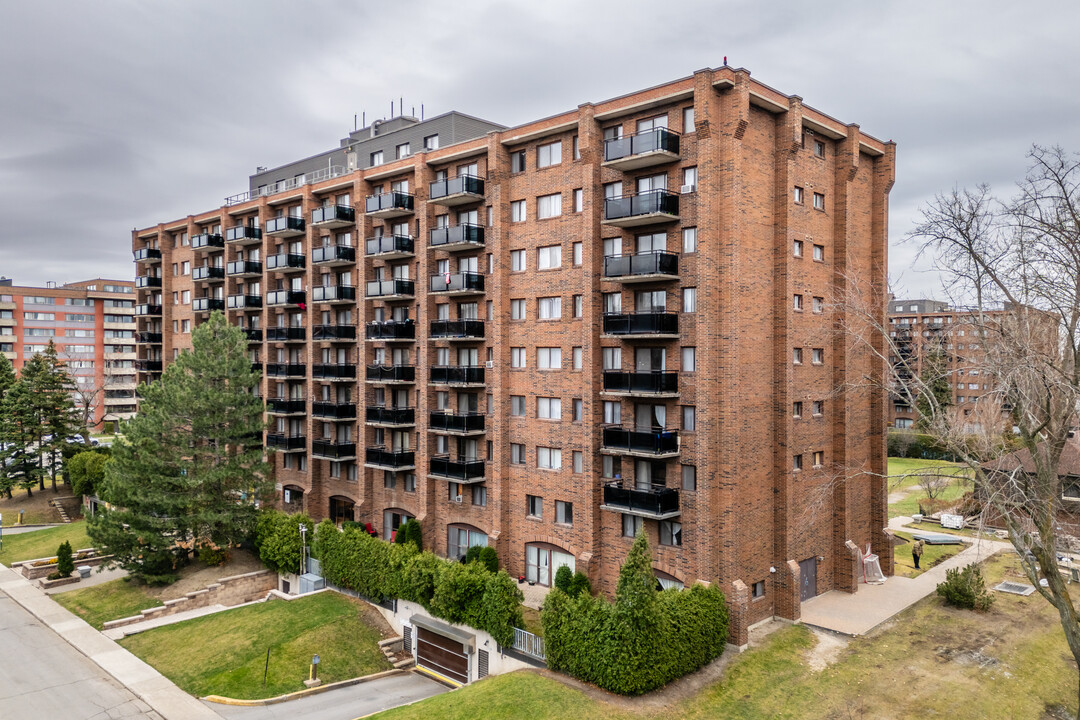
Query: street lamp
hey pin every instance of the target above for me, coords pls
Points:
(303, 549)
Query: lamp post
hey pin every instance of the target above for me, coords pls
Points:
(303, 549)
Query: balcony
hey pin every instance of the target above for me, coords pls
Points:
(391, 289)
(286, 443)
(147, 309)
(147, 255)
(253, 334)
(390, 246)
(381, 458)
(334, 371)
(331, 450)
(243, 235)
(208, 273)
(333, 294)
(205, 305)
(333, 255)
(286, 334)
(642, 326)
(654, 206)
(641, 384)
(461, 470)
(391, 331)
(286, 370)
(390, 417)
(244, 302)
(257, 367)
(644, 267)
(648, 148)
(285, 262)
(467, 375)
(285, 227)
(456, 424)
(147, 281)
(457, 329)
(207, 242)
(389, 205)
(333, 216)
(285, 406)
(460, 237)
(657, 503)
(654, 444)
(333, 332)
(461, 190)
(327, 410)
(391, 374)
(285, 298)
(244, 268)
(148, 365)
(149, 338)
(462, 283)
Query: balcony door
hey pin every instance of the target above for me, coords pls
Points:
(399, 441)
(650, 359)
(646, 301)
(468, 356)
(655, 242)
(400, 398)
(542, 561)
(649, 418)
(652, 182)
(468, 449)
(468, 402)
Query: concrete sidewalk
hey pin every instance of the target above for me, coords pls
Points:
(861, 612)
(135, 628)
(144, 681)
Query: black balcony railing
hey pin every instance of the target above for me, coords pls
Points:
(244, 302)
(148, 365)
(458, 282)
(653, 202)
(645, 442)
(389, 201)
(460, 185)
(152, 338)
(646, 141)
(333, 253)
(285, 261)
(257, 367)
(460, 422)
(334, 410)
(465, 233)
(207, 304)
(244, 267)
(391, 373)
(333, 332)
(208, 273)
(286, 442)
(286, 406)
(650, 263)
(390, 416)
(457, 329)
(285, 224)
(207, 241)
(387, 288)
(333, 293)
(147, 254)
(333, 214)
(254, 334)
(147, 281)
(333, 450)
(391, 330)
(285, 334)
(241, 233)
(390, 244)
(286, 370)
(457, 374)
(334, 371)
(646, 383)
(387, 458)
(657, 501)
(147, 309)
(458, 470)
(647, 323)
(286, 297)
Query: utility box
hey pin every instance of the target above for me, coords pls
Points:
(310, 582)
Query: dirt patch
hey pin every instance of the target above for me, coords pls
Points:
(375, 619)
(827, 649)
(36, 508)
(196, 576)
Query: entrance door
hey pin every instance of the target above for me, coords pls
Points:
(443, 655)
(808, 573)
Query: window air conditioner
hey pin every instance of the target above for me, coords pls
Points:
(457, 499)
(489, 364)
(688, 189)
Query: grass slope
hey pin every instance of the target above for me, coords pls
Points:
(43, 543)
(224, 653)
(108, 601)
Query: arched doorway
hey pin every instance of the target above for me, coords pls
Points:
(292, 499)
(461, 537)
(393, 518)
(341, 509)
(542, 560)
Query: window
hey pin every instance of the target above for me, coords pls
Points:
(796, 356)
(689, 477)
(818, 305)
(185, 297)
(549, 257)
(517, 309)
(517, 357)
(671, 533)
(612, 412)
(576, 143)
(517, 260)
(613, 302)
(549, 358)
(479, 495)
(517, 211)
(185, 268)
(577, 253)
(798, 194)
(689, 177)
(548, 458)
(579, 461)
(819, 253)
(389, 480)
(796, 248)
(377, 158)
(579, 305)
(689, 418)
(410, 482)
(817, 356)
(610, 466)
(797, 302)
(564, 512)
(689, 300)
(578, 409)
(185, 326)
(549, 408)
(796, 462)
(549, 206)
(796, 409)
(579, 200)
(517, 405)
(689, 239)
(818, 408)
(904, 423)
(402, 151)
(631, 525)
(759, 589)
(689, 359)
(549, 308)
(688, 119)
(431, 142)
(517, 161)
(548, 155)
(819, 458)
(819, 149)
(578, 355)
(534, 506)
(819, 201)
(517, 454)
(612, 357)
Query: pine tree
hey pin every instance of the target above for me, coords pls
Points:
(52, 392)
(7, 445)
(21, 419)
(190, 465)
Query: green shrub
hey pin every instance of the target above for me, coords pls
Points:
(64, 564)
(213, 556)
(277, 539)
(472, 554)
(965, 589)
(86, 470)
(410, 531)
(579, 584)
(351, 524)
(489, 558)
(564, 576)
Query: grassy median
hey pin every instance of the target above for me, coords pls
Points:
(108, 601)
(44, 542)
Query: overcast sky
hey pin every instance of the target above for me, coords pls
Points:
(116, 115)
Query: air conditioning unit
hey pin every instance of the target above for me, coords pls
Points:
(688, 189)
(457, 499)
(489, 364)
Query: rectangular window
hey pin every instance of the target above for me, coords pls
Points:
(796, 356)
(612, 412)
(549, 206)
(817, 356)
(185, 268)
(517, 454)
(534, 506)
(431, 142)
(549, 358)
(517, 260)
(688, 119)
(548, 458)
(689, 477)
(517, 405)
(577, 252)
(517, 309)
(576, 143)
(579, 462)
(549, 308)
(564, 512)
(819, 458)
(185, 297)
(631, 525)
(796, 409)
(796, 462)
(549, 154)
(517, 357)
(819, 253)
(818, 408)
(796, 302)
(402, 151)
(377, 158)
(819, 149)
(797, 248)
(689, 239)
(579, 357)
(579, 305)
(689, 418)
(818, 304)
(549, 257)
(798, 194)
(479, 495)
(517, 161)
(517, 211)
(689, 178)
(612, 358)
(689, 300)
(578, 409)
(819, 201)
(671, 533)
(579, 200)
(689, 359)
(759, 589)
(549, 408)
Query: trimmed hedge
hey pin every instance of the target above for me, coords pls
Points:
(277, 539)
(465, 594)
(642, 641)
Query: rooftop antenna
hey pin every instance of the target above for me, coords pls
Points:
(421, 111)
(391, 109)
(354, 122)
(363, 118)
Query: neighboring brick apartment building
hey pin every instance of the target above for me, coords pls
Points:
(546, 337)
(92, 324)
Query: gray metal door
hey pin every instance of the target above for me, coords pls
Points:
(808, 573)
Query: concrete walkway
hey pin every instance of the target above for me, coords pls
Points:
(96, 578)
(20, 529)
(859, 613)
(135, 628)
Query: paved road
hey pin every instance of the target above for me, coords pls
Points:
(342, 704)
(43, 678)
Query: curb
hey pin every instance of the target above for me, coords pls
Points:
(302, 693)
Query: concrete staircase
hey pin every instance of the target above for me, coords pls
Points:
(394, 650)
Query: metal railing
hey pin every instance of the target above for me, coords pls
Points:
(649, 442)
(334, 410)
(458, 234)
(457, 374)
(653, 382)
(334, 332)
(384, 288)
(392, 200)
(657, 139)
(391, 373)
(457, 282)
(461, 469)
(528, 644)
(391, 330)
(652, 202)
(657, 262)
(647, 323)
(315, 176)
(457, 329)
(654, 501)
(333, 253)
(462, 184)
(456, 422)
(402, 244)
(285, 334)
(333, 213)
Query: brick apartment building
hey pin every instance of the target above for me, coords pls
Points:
(92, 324)
(546, 337)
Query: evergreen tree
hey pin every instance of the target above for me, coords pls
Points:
(7, 444)
(190, 465)
(65, 565)
(52, 393)
(636, 613)
(21, 419)
(934, 375)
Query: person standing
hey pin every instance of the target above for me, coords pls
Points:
(916, 552)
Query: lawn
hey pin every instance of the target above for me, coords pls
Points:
(108, 601)
(932, 555)
(225, 653)
(36, 508)
(43, 543)
(931, 661)
(903, 477)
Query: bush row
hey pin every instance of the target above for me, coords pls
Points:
(277, 539)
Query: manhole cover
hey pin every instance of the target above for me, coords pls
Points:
(1015, 588)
